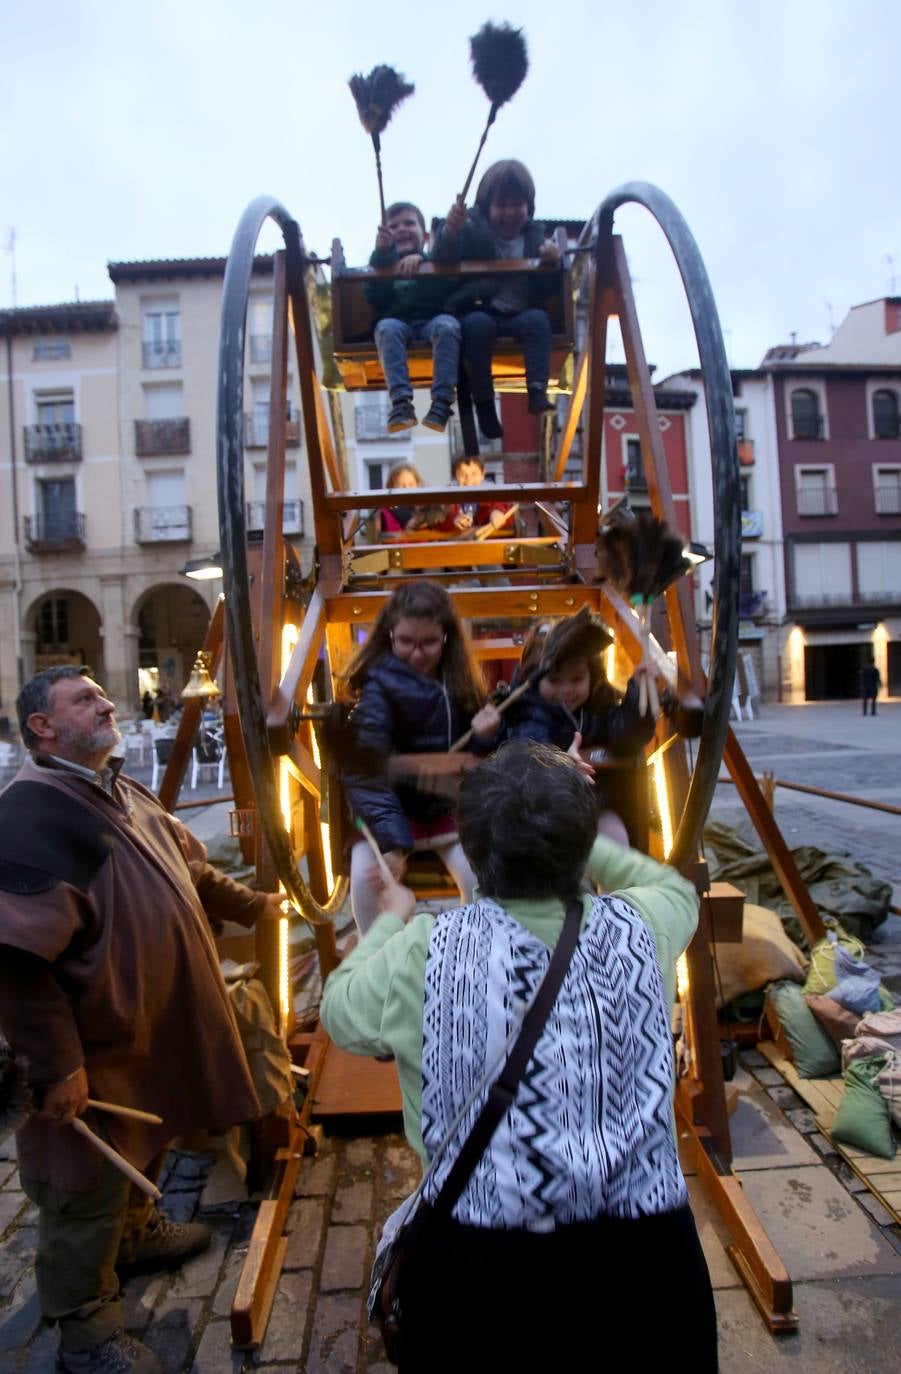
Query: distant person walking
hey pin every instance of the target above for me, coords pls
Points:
(870, 682)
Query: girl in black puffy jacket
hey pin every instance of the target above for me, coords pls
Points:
(575, 707)
(417, 690)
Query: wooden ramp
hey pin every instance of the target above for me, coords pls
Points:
(822, 1095)
(351, 1086)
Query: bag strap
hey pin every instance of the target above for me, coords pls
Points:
(503, 1089)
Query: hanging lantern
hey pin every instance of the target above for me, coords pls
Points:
(200, 684)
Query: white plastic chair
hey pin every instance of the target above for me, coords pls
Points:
(209, 755)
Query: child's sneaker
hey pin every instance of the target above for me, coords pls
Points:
(438, 415)
(401, 416)
(539, 402)
(489, 424)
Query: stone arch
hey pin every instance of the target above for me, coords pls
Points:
(62, 625)
(170, 619)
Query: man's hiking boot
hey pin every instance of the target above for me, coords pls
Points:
(489, 424)
(166, 1244)
(118, 1354)
(401, 416)
(438, 416)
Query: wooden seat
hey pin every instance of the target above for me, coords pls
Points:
(353, 321)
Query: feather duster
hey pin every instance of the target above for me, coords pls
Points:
(499, 63)
(16, 1099)
(377, 96)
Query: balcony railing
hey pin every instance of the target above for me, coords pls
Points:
(261, 348)
(256, 431)
(53, 443)
(809, 427)
(161, 353)
(62, 532)
(370, 422)
(292, 517)
(817, 501)
(153, 437)
(162, 524)
(753, 605)
(457, 446)
(888, 500)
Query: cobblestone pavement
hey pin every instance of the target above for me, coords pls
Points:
(841, 1248)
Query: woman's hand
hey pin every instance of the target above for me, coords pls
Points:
(585, 768)
(397, 899)
(456, 217)
(486, 722)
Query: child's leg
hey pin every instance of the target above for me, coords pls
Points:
(479, 334)
(391, 340)
(364, 896)
(444, 333)
(533, 329)
(457, 865)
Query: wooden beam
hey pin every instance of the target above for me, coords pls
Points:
(573, 415)
(523, 492)
(473, 602)
(188, 725)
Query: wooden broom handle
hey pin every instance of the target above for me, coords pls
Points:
(517, 692)
(132, 1113)
(116, 1159)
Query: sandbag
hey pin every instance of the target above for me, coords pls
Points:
(888, 1081)
(765, 955)
(857, 985)
(838, 1023)
(810, 1048)
(885, 1024)
(863, 1117)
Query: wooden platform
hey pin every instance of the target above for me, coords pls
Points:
(354, 1086)
(822, 1095)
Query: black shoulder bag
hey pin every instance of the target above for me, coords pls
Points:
(384, 1299)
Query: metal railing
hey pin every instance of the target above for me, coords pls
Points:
(370, 424)
(808, 427)
(751, 605)
(260, 348)
(768, 784)
(58, 532)
(292, 517)
(154, 437)
(817, 501)
(162, 524)
(59, 443)
(888, 500)
(256, 431)
(161, 353)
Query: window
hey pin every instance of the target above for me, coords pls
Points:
(162, 334)
(887, 490)
(879, 570)
(56, 410)
(260, 329)
(164, 401)
(807, 423)
(746, 579)
(741, 424)
(47, 349)
(885, 415)
(53, 622)
(745, 485)
(635, 474)
(375, 475)
(815, 488)
(822, 574)
(56, 498)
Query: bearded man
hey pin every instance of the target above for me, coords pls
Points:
(109, 988)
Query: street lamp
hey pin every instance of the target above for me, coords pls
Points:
(204, 569)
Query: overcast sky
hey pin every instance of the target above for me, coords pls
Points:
(141, 131)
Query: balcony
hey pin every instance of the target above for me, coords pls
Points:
(888, 500)
(53, 443)
(161, 353)
(59, 532)
(746, 452)
(260, 348)
(256, 431)
(292, 517)
(162, 524)
(753, 605)
(457, 447)
(370, 422)
(156, 437)
(817, 501)
(809, 427)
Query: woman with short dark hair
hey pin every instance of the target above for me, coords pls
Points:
(576, 1215)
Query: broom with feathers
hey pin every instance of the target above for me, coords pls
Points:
(499, 64)
(377, 97)
(641, 556)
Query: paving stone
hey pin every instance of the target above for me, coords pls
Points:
(141, 1295)
(853, 1182)
(20, 1321)
(823, 1146)
(816, 1227)
(8, 1147)
(288, 1321)
(305, 1225)
(784, 1097)
(803, 1119)
(880, 1214)
(359, 1154)
(401, 1171)
(16, 1258)
(345, 1256)
(197, 1278)
(769, 1077)
(170, 1333)
(39, 1357)
(353, 1202)
(753, 1059)
(215, 1354)
(11, 1204)
(317, 1178)
(336, 1337)
(222, 1298)
(7, 1170)
(762, 1138)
